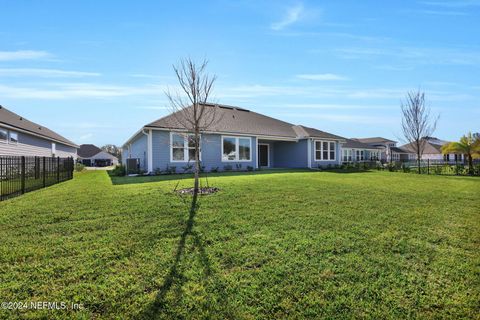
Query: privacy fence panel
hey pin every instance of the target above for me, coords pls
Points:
(19, 175)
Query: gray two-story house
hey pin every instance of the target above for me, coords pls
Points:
(21, 137)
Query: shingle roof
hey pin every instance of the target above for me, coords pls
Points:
(303, 131)
(12, 119)
(373, 140)
(351, 143)
(399, 150)
(88, 150)
(429, 148)
(230, 119)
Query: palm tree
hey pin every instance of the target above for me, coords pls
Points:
(469, 146)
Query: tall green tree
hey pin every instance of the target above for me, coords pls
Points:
(469, 146)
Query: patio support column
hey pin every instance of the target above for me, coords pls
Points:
(150, 151)
(309, 153)
(256, 152)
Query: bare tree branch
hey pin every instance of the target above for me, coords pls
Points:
(190, 108)
(417, 122)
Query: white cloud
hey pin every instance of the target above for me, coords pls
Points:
(45, 73)
(347, 118)
(85, 137)
(152, 108)
(292, 15)
(444, 13)
(321, 77)
(79, 90)
(453, 4)
(23, 55)
(413, 55)
(335, 106)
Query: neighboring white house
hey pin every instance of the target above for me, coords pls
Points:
(21, 137)
(92, 156)
(388, 148)
(356, 151)
(433, 151)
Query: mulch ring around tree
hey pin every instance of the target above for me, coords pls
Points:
(201, 191)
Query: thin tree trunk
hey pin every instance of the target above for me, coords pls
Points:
(470, 164)
(418, 164)
(197, 164)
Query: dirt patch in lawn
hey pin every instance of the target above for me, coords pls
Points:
(201, 191)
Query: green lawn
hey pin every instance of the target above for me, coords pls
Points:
(267, 246)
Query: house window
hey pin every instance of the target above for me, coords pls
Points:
(54, 149)
(325, 150)
(182, 147)
(3, 135)
(13, 137)
(360, 155)
(347, 155)
(236, 149)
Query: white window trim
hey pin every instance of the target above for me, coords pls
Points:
(321, 150)
(185, 147)
(268, 153)
(54, 149)
(8, 137)
(348, 155)
(237, 149)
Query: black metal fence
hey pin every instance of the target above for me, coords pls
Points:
(439, 167)
(19, 174)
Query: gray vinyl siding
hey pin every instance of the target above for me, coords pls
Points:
(290, 154)
(137, 149)
(211, 156)
(29, 145)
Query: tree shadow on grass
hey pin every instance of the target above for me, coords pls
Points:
(161, 307)
(181, 176)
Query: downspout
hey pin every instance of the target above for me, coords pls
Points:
(149, 150)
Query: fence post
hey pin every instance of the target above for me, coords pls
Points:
(44, 172)
(428, 166)
(71, 167)
(23, 174)
(58, 169)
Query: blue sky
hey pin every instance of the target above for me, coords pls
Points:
(96, 71)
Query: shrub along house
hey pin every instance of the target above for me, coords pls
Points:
(356, 151)
(238, 140)
(21, 137)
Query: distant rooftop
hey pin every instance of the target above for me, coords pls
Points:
(374, 140)
(355, 144)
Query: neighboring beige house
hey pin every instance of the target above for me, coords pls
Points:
(92, 156)
(433, 151)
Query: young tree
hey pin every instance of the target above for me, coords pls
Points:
(190, 106)
(469, 145)
(417, 123)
